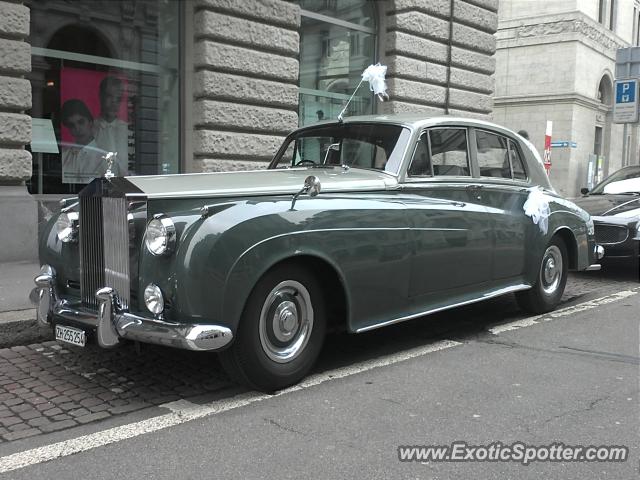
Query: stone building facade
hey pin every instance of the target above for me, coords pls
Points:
(212, 85)
(556, 61)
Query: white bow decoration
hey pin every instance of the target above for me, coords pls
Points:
(537, 207)
(374, 74)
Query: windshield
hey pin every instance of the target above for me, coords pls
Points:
(364, 145)
(626, 180)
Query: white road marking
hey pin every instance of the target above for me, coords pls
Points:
(184, 411)
(563, 312)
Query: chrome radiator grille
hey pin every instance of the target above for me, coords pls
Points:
(104, 248)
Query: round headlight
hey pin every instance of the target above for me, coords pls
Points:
(67, 226)
(153, 299)
(160, 236)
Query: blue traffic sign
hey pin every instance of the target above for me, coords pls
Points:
(625, 108)
(626, 92)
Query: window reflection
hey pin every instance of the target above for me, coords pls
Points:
(337, 43)
(110, 84)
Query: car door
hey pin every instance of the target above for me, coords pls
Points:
(451, 237)
(503, 192)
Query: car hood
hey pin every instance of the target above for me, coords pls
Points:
(261, 182)
(610, 205)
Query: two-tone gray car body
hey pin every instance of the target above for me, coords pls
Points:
(255, 260)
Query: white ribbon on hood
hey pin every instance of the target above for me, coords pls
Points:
(537, 207)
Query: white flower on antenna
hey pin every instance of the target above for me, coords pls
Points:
(374, 74)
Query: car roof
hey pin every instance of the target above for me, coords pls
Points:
(417, 121)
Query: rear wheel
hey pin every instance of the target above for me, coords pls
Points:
(546, 293)
(281, 330)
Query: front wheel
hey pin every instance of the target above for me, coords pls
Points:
(281, 330)
(546, 293)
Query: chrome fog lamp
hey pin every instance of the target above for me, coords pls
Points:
(67, 227)
(153, 299)
(160, 236)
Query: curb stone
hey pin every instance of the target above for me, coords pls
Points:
(20, 327)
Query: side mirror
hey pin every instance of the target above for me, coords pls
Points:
(584, 190)
(311, 187)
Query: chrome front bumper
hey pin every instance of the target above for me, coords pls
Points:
(112, 323)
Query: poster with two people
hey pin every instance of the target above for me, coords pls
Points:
(94, 121)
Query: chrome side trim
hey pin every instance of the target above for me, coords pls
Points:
(354, 229)
(486, 296)
(593, 268)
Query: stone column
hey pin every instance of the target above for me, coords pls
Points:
(245, 81)
(441, 61)
(18, 210)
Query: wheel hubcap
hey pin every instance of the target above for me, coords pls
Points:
(551, 270)
(286, 321)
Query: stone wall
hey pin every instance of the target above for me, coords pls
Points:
(18, 211)
(441, 61)
(15, 93)
(245, 81)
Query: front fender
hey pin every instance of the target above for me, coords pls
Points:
(263, 256)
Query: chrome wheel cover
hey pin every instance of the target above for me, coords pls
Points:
(551, 270)
(286, 321)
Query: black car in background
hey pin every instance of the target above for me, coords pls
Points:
(614, 206)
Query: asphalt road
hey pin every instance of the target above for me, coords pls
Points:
(481, 374)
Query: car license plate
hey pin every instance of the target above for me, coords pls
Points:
(74, 336)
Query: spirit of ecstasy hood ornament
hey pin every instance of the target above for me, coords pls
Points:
(110, 157)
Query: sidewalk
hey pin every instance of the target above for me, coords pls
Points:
(18, 325)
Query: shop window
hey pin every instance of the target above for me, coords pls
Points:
(337, 42)
(104, 79)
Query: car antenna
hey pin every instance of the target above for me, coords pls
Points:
(374, 74)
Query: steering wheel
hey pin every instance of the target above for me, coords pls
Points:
(303, 161)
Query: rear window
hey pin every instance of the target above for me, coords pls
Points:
(449, 155)
(499, 156)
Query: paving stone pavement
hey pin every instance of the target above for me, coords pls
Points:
(47, 387)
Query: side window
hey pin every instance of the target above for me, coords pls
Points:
(517, 165)
(421, 162)
(449, 154)
(493, 155)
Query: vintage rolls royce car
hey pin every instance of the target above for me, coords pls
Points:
(357, 224)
